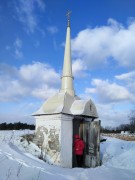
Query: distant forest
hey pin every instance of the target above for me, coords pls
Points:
(122, 127)
(19, 126)
(16, 126)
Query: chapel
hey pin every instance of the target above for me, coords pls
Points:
(62, 116)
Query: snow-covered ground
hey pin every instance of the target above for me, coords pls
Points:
(19, 161)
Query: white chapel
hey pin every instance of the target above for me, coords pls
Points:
(64, 115)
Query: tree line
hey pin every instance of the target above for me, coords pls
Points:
(16, 126)
(123, 127)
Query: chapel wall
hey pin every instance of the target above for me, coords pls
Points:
(48, 133)
(66, 141)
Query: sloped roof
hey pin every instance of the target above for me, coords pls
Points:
(65, 103)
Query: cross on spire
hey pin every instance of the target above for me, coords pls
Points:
(68, 17)
(68, 14)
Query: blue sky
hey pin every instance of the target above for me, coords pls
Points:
(32, 36)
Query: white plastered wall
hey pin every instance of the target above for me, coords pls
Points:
(64, 125)
(66, 141)
(49, 126)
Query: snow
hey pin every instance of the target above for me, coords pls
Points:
(19, 161)
(78, 106)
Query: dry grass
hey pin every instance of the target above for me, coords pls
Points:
(125, 137)
(28, 137)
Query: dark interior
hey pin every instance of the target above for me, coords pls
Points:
(77, 129)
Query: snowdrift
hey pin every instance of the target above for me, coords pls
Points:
(19, 160)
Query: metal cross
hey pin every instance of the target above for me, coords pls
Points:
(68, 14)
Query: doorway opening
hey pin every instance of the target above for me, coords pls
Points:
(89, 132)
(78, 126)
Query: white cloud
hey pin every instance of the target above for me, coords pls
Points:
(44, 92)
(78, 68)
(128, 80)
(107, 92)
(18, 48)
(95, 46)
(38, 73)
(40, 4)
(7, 71)
(18, 54)
(26, 13)
(33, 80)
(52, 29)
(112, 109)
(113, 100)
(130, 76)
(111, 115)
(18, 43)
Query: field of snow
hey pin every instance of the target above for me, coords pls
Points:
(19, 161)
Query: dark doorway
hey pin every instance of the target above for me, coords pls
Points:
(77, 129)
(89, 131)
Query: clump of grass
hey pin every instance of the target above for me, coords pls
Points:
(28, 137)
(121, 136)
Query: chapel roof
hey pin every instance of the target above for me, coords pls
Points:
(67, 104)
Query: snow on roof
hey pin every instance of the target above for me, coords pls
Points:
(84, 107)
(65, 103)
(78, 107)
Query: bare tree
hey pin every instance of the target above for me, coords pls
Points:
(131, 117)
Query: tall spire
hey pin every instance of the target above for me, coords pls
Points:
(67, 77)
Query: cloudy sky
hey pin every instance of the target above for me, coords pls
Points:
(32, 37)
